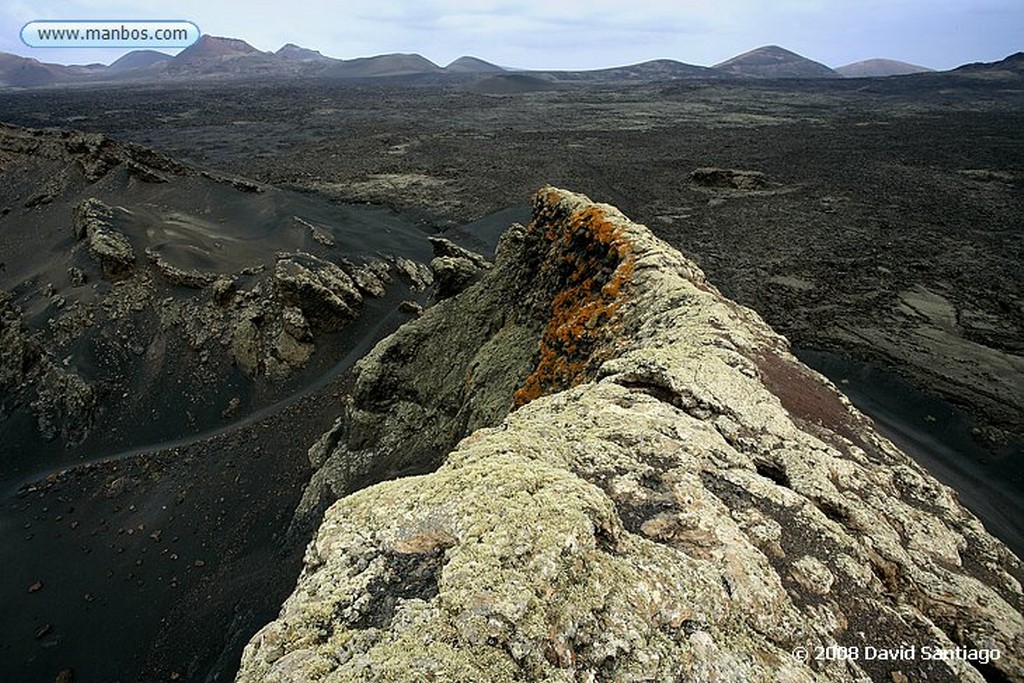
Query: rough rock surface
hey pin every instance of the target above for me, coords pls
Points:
(675, 497)
(94, 153)
(326, 294)
(107, 245)
(372, 278)
(454, 268)
(62, 402)
(418, 275)
(728, 178)
(190, 277)
(406, 410)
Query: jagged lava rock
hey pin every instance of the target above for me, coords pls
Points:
(728, 177)
(62, 401)
(107, 245)
(325, 293)
(673, 497)
(454, 267)
(534, 323)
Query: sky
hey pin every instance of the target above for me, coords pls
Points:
(568, 34)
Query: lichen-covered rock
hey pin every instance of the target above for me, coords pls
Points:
(454, 268)
(371, 279)
(88, 215)
(326, 294)
(295, 323)
(677, 499)
(223, 288)
(290, 353)
(417, 274)
(460, 364)
(62, 402)
(185, 277)
(452, 275)
(443, 246)
(113, 251)
(408, 409)
(245, 346)
(107, 245)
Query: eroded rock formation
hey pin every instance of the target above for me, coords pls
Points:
(107, 245)
(62, 402)
(454, 268)
(673, 496)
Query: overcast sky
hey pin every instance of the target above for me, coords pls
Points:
(570, 33)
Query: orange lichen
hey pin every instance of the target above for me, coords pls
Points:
(592, 260)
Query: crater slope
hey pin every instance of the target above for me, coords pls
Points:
(142, 300)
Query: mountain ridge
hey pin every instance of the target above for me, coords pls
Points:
(869, 68)
(224, 57)
(772, 61)
(470, 64)
(293, 51)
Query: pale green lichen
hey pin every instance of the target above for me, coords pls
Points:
(668, 518)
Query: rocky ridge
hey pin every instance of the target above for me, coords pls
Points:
(673, 496)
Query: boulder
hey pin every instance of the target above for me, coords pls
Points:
(246, 348)
(295, 324)
(370, 280)
(63, 403)
(454, 268)
(324, 292)
(416, 274)
(107, 245)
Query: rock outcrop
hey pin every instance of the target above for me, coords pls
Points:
(673, 496)
(324, 292)
(454, 268)
(728, 178)
(142, 300)
(62, 402)
(93, 153)
(107, 245)
(190, 277)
